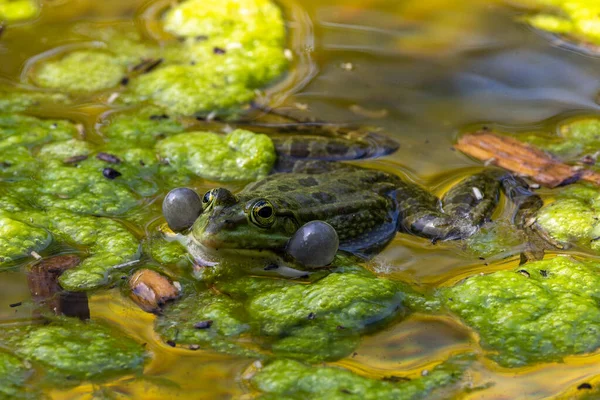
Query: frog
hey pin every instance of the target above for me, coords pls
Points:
(365, 207)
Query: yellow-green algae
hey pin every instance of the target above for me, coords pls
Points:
(239, 155)
(18, 10)
(13, 375)
(80, 71)
(69, 350)
(229, 50)
(579, 19)
(224, 52)
(319, 321)
(573, 139)
(574, 217)
(538, 312)
(289, 379)
(18, 100)
(140, 128)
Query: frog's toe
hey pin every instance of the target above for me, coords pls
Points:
(314, 245)
(181, 207)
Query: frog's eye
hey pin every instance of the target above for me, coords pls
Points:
(262, 213)
(208, 197)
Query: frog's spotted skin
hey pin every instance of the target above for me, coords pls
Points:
(366, 208)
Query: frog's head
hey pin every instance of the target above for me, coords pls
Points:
(229, 222)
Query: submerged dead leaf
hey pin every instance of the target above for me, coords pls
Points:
(522, 159)
(151, 290)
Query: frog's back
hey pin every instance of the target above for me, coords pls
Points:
(358, 203)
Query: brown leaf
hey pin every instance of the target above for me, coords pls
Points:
(522, 159)
(150, 290)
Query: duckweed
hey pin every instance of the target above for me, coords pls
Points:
(538, 312)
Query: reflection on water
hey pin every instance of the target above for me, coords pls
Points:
(419, 70)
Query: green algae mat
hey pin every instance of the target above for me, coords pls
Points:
(105, 107)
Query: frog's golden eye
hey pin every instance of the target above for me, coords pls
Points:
(208, 198)
(262, 213)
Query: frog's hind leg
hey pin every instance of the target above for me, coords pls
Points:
(472, 201)
(420, 213)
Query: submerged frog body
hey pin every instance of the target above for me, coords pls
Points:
(365, 207)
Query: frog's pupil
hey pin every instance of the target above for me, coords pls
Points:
(265, 212)
(206, 198)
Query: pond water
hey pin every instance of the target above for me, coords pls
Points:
(421, 72)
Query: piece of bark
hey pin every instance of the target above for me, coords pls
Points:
(522, 159)
(151, 290)
(42, 279)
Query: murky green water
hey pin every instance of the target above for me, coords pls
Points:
(420, 71)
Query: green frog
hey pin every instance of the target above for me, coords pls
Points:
(365, 208)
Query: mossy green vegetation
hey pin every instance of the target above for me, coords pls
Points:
(578, 19)
(318, 321)
(139, 127)
(77, 350)
(289, 379)
(538, 312)
(18, 10)
(572, 140)
(80, 71)
(573, 217)
(111, 246)
(228, 50)
(224, 52)
(17, 100)
(239, 156)
(13, 375)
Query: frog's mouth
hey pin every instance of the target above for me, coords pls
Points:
(261, 261)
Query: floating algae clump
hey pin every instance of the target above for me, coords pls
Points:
(18, 10)
(21, 130)
(14, 100)
(80, 71)
(223, 319)
(579, 19)
(228, 50)
(238, 156)
(142, 128)
(81, 351)
(573, 217)
(539, 312)
(13, 375)
(294, 380)
(574, 139)
(18, 240)
(110, 244)
(313, 322)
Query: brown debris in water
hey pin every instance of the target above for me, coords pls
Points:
(522, 159)
(151, 290)
(42, 279)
